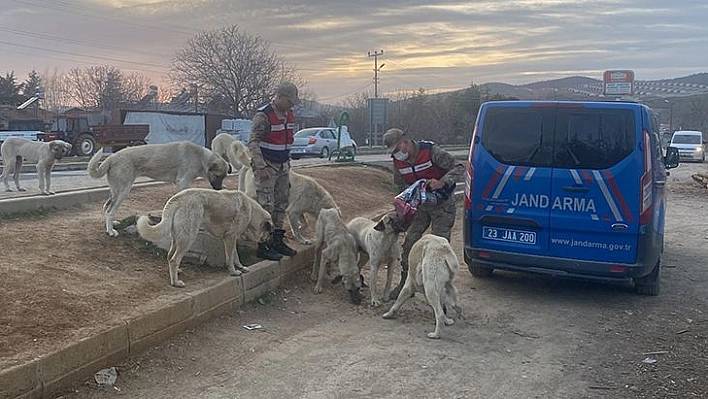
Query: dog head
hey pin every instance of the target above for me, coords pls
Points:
(352, 285)
(59, 148)
(392, 223)
(217, 171)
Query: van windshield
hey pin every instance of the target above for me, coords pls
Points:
(686, 139)
(578, 138)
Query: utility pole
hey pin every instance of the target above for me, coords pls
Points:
(377, 68)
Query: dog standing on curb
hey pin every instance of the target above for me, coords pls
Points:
(15, 149)
(178, 162)
(226, 214)
(334, 245)
(432, 264)
(377, 242)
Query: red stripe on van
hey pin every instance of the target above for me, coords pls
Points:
(618, 195)
(519, 171)
(493, 181)
(587, 177)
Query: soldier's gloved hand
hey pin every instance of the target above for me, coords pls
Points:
(435, 184)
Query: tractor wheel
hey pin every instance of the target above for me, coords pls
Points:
(85, 145)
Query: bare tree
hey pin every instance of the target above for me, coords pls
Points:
(56, 90)
(105, 86)
(231, 67)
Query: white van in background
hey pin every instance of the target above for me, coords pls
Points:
(690, 144)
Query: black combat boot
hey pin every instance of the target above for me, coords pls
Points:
(279, 246)
(265, 251)
(393, 295)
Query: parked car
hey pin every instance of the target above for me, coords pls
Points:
(320, 142)
(567, 189)
(690, 144)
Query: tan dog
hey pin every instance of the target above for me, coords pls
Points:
(432, 265)
(232, 150)
(178, 163)
(334, 244)
(228, 215)
(307, 196)
(16, 149)
(377, 242)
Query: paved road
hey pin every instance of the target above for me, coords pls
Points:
(70, 180)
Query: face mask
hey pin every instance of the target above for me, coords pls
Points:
(400, 155)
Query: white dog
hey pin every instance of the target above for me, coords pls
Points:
(232, 150)
(432, 265)
(15, 149)
(377, 242)
(178, 163)
(334, 244)
(307, 196)
(227, 215)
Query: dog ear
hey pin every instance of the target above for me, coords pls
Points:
(380, 226)
(268, 226)
(337, 280)
(231, 170)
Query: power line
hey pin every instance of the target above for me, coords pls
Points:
(77, 42)
(377, 68)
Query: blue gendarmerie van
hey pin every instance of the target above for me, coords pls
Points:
(569, 189)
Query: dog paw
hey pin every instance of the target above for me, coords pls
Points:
(46, 193)
(318, 289)
(449, 322)
(9, 190)
(235, 272)
(179, 284)
(375, 303)
(113, 233)
(433, 335)
(389, 315)
(21, 189)
(306, 242)
(51, 192)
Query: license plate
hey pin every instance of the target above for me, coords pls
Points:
(297, 150)
(509, 235)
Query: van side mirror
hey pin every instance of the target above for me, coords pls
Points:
(671, 160)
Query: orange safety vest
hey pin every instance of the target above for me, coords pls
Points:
(275, 146)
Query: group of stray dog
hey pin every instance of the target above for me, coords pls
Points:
(233, 215)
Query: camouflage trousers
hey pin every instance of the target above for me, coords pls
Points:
(439, 217)
(273, 193)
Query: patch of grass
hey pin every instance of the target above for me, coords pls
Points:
(34, 214)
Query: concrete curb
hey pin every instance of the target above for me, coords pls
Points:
(61, 369)
(60, 200)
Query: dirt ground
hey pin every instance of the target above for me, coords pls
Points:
(63, 278)
(520, 335)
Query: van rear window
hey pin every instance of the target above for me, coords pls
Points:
(575, 138)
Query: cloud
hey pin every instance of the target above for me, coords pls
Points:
(436, 45)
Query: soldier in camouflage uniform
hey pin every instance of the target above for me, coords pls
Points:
(270, 141)
(423, 160)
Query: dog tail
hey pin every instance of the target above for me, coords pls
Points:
(94, 169)
(155, 233)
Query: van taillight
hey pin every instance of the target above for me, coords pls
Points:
(469, 173)
(646, 199)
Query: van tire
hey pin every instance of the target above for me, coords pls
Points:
(651, 283)
(479, 270)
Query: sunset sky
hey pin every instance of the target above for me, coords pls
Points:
(438, 46)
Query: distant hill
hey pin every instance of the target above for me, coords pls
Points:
(584, 88)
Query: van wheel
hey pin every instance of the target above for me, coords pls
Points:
(651, 283)
(479, 270)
